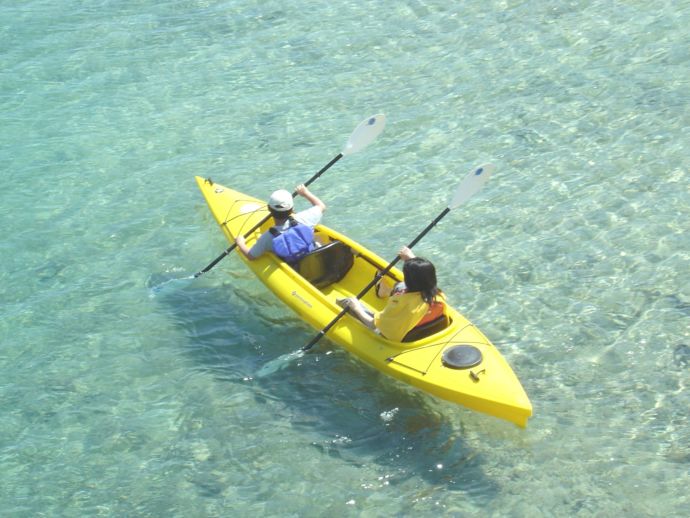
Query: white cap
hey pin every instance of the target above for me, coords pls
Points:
(281, 200)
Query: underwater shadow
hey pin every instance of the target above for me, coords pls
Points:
(349, 410)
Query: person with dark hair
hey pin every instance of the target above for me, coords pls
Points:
(413, 303)
(292, 236)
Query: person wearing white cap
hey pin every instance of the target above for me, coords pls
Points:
(292, 236)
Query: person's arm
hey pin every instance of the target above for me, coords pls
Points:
(366, 318)
(383, 290)
(303, 191)
(357, 310)
(405, 254)
(242, 245)
(263, 244)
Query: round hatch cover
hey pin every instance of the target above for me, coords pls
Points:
(462, 357)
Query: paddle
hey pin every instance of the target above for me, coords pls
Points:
(469, 186)
(363, 135)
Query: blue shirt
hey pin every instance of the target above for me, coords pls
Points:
(310, 216)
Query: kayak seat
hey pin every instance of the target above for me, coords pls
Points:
(327, 264)
(428, 329)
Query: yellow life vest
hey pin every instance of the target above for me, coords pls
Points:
(402, 313)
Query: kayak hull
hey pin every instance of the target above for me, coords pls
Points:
(490, 387)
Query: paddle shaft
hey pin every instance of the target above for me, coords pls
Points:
(376, 279)
(266, 218)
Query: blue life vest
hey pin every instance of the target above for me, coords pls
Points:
(294, 243)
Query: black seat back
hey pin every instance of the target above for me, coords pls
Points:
(428, 329)
(327, 264)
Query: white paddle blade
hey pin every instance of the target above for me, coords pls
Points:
(471, 184)
(365, 133)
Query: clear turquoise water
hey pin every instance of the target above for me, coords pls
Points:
(117, 399)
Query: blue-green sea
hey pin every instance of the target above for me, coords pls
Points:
(129, 389)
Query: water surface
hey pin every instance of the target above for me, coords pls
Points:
(122, 395)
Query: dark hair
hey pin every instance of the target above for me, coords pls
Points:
(420, 275)
(279, 214)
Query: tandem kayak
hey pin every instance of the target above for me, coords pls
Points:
(451, 359)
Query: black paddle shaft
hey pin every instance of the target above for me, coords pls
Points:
(375, 280)
(265, 219)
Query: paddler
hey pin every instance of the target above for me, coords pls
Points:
(292, 235)
(411, 304)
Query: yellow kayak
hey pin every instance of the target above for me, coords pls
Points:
(454, 361)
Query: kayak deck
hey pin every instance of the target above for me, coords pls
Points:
(490, 386)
